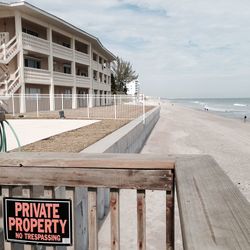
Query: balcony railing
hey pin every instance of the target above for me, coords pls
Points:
(95, 65)
(82, 58)
(83, 81)
(33, 75)
(101, 86)
(36, 44)
(62, 78)
(62, 52)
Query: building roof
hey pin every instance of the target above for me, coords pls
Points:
(34, 11)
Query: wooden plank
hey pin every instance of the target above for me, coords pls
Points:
(5, 193)
(76, 160)
(92, 217)
(81, 218)
(115, 219)
(70, 194)
(60, 193)
(213, 212)
(73, 177)
(141, 220)
(16, 191)
(26, 193)
(170, 216)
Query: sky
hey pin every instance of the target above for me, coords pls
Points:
(179, 48)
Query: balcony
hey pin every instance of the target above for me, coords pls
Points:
(39, 76)
(62, 52)
(63, 79)
(101, 86)
(83, 82)
(36, 44)
(95, 65)
(82, 58)
(106, 71)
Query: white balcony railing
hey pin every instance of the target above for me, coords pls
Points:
(95, 65)
(82, 81)
(62, 52)
(63, 79)
(36, 44)
(32, 75)
(82, 58)
(101, 86)
(106, 71)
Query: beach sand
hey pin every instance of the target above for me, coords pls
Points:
(182, 130)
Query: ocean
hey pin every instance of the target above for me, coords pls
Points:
(230, 107)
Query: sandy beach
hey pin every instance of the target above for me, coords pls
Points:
(182, 130)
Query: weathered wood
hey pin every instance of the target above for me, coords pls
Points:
(26, 193)
(70, 194)
(92, 217)
(73, 177)
(141, 220)
(170, 216)
(213, 212)
(59, 193)
(81, 218)
(5, 193)
(115, 219)
(75, 160)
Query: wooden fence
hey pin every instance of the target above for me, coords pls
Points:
(213, 213)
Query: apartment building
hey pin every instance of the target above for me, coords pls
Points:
(43, 54)
(133, 88)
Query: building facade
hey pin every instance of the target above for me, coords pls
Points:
(133, 88)
(43, 54)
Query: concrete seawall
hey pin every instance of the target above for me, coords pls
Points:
(128, 139)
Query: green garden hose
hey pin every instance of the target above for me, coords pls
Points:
(3, 138)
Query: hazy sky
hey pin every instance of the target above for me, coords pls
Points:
(180, 48)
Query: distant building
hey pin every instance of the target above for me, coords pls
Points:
(133, 87)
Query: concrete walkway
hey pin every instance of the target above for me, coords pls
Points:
(31, 130)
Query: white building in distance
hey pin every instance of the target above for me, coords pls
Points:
(133, 88)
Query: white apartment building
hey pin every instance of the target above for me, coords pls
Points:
(133, 87)
(43, 54)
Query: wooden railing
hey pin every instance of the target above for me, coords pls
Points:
(213, 213)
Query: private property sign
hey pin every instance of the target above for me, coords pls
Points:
(38, 221)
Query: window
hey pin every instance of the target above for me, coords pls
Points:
(32, 63)
(95, 57)
(33, 91)
(67, 69)
(66, 44)
(30, 32)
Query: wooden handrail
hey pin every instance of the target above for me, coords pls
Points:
(213, 212)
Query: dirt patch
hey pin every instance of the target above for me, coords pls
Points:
(76, 140)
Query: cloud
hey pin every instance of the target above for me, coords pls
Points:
(173, 44)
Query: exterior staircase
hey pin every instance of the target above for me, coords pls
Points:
(8, 50)
(9, 83)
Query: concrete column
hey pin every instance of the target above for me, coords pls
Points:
(20, 60)
(51, 70)
(74, 96)
(91, 89)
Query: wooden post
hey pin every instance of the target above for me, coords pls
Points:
(141, 220)
(115, 219)
(170, 216)
(92, 216)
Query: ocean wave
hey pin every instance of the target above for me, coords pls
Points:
(219, 109)
(240, 104)
(200, 103)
